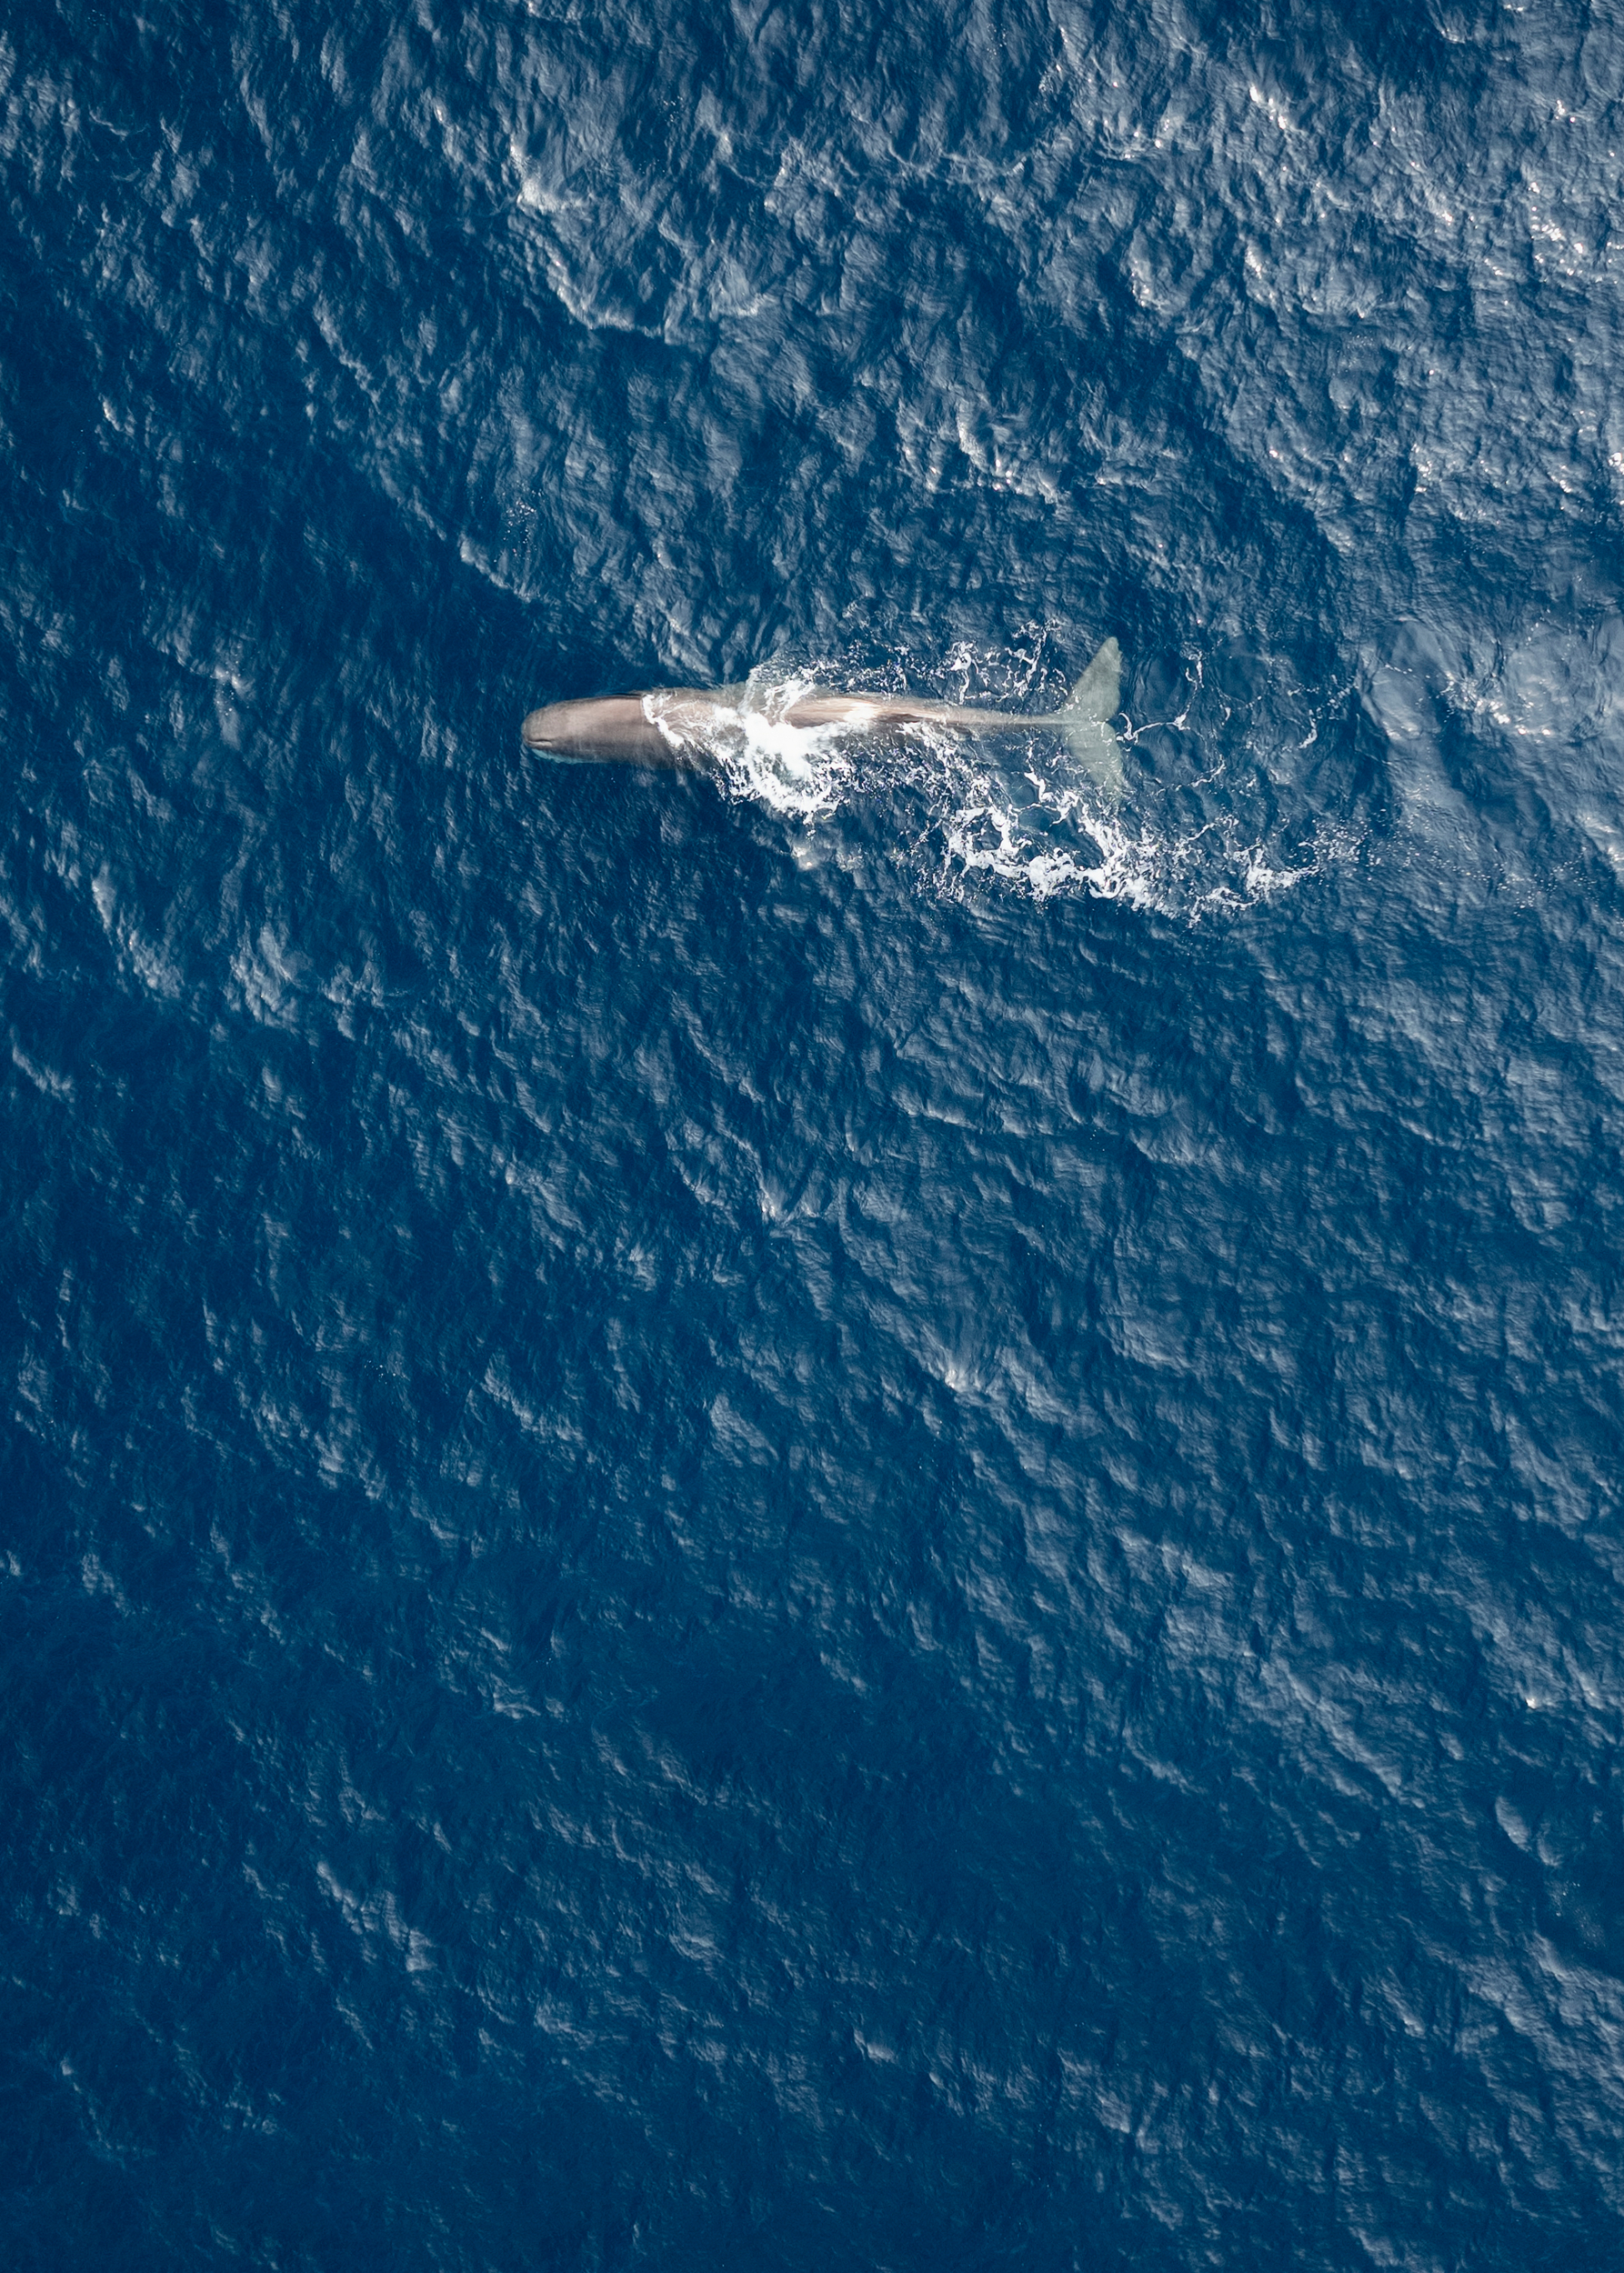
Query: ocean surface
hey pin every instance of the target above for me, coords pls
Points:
(862, 1514)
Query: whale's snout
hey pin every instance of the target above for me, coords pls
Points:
(536, 732)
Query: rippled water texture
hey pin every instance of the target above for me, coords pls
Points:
(865, 1526)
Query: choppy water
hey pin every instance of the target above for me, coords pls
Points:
(862, 1519)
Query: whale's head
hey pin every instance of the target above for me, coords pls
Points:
(612, 727)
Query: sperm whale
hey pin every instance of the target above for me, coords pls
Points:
(679, 726)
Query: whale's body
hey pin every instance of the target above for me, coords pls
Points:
(681, 726)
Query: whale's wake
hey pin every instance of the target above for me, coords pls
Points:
(1203, 831)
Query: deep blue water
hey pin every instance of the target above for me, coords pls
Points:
(867, 1521)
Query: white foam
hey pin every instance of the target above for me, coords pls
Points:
(1067, 837)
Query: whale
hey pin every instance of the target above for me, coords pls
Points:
(680, 727)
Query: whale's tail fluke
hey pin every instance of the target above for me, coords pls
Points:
(1086, 721)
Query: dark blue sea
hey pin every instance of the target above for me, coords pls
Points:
(860, 1514)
